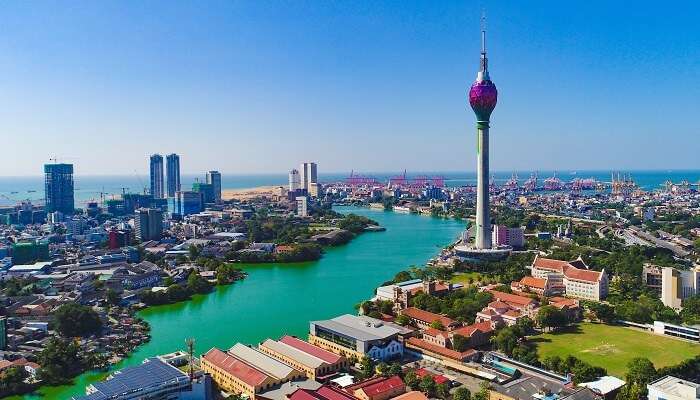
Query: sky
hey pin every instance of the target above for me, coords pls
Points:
(259, 86)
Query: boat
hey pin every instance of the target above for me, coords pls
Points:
(402, 209)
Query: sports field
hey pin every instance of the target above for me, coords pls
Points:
(612, 347)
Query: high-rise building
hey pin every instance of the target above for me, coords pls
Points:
(172, 170)
(189, 202)
(214, 179)
(157, 176)
(308, 175)
(294, 180)
(482, 98)
(206, 190)
(58, 188)
(148, 224)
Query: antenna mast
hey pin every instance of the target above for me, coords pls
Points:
(190, 349)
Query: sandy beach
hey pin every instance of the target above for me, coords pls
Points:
(248, 193)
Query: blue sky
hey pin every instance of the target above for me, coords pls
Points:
(258, 86)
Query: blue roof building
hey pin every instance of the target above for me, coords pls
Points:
(153, 380)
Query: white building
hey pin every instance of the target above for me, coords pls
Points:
(294, 180)
(672, 388)
(302, 209)
(572, 278)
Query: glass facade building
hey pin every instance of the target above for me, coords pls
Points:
(58, 188)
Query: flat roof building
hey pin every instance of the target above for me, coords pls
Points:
(672, 388)
(359, 336)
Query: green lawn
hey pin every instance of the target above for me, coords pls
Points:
(463, 277)
(612, 347)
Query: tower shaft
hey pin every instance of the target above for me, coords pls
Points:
(483, 220)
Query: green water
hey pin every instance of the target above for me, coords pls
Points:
(277, 299)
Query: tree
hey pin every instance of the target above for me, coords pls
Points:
(551, 317)
(411, 379)
(603, 312)
(442, 391)
(505, 340)
(462, 393)
(437, 325)
(197, 284)
(72, 319)
(194, 252)
(367, 367)
(427, 385)
(402, 276)
(60, 361)
(383, 369)
(395, 369)
(483, 393)
(12, 381)
(460, 343)
(402, 320)
(640, 371)
(112, 297)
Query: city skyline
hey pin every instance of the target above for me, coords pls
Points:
(398, 75)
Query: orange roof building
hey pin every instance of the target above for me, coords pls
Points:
(572, 278)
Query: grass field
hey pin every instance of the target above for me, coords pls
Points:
(612, 347)
(463, 277)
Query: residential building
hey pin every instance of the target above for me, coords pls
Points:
(302, 206)
(189, 203)
(572, 278)
(214, 179)
(172, 168)
(58, 188)
(314, 361)
(359, 336)
(148, 224)
(314, 190)
(156, 169)
(502, 235)
(672, 388)
(294, 180)
(308, 175)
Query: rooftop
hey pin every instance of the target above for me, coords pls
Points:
(261, 361)
(308, 348)
(235, 367)
(362, 328)
(137, 379)
(670, 385)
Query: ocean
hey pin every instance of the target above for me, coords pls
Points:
(87, 188)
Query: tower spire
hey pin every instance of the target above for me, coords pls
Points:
(483, 74)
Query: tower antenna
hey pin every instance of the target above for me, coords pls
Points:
(190, 349)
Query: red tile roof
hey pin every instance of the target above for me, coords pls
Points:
(531, 281)
(426, 316)
(453, 354)
(383, 386)
(323, 393)
(567, 269)
(512, 299)
(436, 332)
(421, 372)
(484, 327)
(308, 348)
(235, 367)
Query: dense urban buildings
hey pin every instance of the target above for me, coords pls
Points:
(172, 168)
(189, 202)
(156, 174)
(58, 186)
